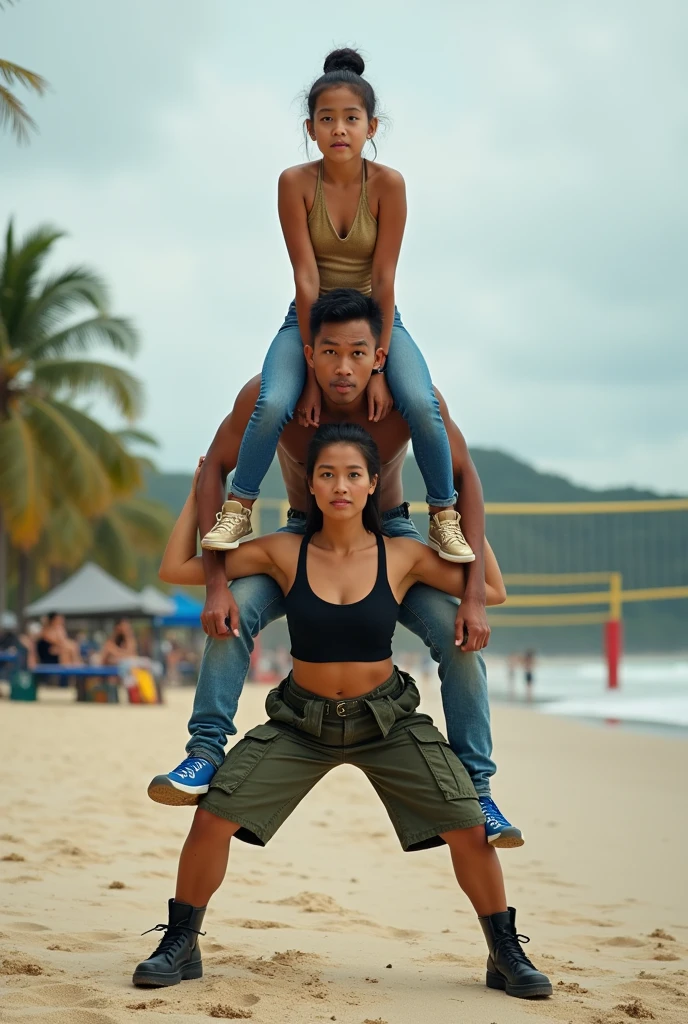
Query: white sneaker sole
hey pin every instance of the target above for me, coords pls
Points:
(218, 545)
(211, 544)
(449, 558)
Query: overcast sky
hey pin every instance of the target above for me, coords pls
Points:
(545, 150)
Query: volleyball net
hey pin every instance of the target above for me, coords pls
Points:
(575, 567)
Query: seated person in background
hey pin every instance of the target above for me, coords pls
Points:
(120, 645)
(54, 646)
(20, 647)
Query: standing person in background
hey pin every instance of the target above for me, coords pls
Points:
(512, 663)
(343, 220)
(529, 673)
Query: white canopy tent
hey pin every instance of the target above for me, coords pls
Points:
(92, 592)
(155, 603)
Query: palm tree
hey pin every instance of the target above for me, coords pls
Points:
(52, 451)
(130, 529)
(12, 110)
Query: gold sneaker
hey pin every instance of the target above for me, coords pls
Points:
(233, 524)
(445, 537)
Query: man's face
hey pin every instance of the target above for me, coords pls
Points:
(343, 357)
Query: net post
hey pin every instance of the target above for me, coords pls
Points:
(613, 631)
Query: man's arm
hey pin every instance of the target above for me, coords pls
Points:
(470, 505)
(210, 493)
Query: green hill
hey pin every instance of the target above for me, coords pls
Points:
(504, 478)
(650, 549)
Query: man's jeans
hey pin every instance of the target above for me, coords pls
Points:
(428, 613)
(281, 383)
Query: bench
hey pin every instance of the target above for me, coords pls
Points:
(109, 673)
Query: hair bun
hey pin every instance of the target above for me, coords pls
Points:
(344, 60)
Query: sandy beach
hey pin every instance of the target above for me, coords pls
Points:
(332, 921)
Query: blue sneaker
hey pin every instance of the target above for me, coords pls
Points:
(185, 784)
(500, 832)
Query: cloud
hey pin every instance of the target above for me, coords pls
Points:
(545, 150)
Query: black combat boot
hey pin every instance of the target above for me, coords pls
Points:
(508, 967)
(178, 957)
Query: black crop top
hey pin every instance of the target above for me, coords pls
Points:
(321, 631)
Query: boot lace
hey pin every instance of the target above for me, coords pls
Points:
(229, 521)
(510, 946)
(187, 770)
(173, 940)
(449, 529)
(492, 813)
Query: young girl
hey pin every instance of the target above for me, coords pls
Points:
(343, 220)
(343, 703)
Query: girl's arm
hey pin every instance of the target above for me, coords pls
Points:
(294, 220)
(428, 567)
(180, 563)
(391, 221)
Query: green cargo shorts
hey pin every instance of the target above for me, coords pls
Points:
(423, 785)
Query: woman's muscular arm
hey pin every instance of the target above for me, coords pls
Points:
(210, 493)
(471, 615)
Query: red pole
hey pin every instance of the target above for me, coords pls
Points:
(613, 637)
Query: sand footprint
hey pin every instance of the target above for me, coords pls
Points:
(77, 1016)
(59, 995)
(255, 924)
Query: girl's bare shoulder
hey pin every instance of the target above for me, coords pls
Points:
(300, 175)
(383, 176)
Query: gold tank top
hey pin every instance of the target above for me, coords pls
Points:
(343, 262)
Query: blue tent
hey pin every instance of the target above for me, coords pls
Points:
(187, 612)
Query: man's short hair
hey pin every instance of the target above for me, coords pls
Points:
(342, 305)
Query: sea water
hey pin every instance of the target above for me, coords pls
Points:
(653, 689)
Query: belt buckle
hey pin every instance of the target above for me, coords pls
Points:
(341, 709)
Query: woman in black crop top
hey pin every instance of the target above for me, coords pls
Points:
(344, 702)
(343, 581)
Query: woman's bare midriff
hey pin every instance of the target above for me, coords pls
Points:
(342, 680)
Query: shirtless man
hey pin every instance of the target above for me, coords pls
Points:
(344, 354)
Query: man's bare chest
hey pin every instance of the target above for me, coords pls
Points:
(391, 436)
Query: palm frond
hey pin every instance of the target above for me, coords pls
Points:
(132, 435)
(80, 376)
(149, 523)
(112, 547)
(14, 113)
(12, 110)
(22, 495)
(20, 268)
(60, 297)
(66, 538)
(117, 333)
(82, 475)
(122, 468)
(15, 73)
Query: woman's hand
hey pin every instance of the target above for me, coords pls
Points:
(380, 401)
(194, 482)
(308, 407)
